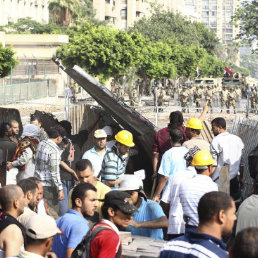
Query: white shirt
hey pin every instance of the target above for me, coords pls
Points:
(176, 223)
(226, 148)
(190, 193)
(41, 207)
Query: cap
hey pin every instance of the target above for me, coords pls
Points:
(100, 133)
(108, 130)
(121, 200)
(41, 227)
(131, 183)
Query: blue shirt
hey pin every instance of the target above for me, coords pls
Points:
(74, 227)
(148, 211)
(193, 245)
(173, 161)
(95, 158)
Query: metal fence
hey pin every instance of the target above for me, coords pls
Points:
(26, 91)
(247, 130)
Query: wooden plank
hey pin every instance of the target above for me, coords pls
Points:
(224, 179)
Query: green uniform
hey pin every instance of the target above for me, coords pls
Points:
(184, 99)
(133, 97)
(231, 101)
(223, 97)
(198, 95)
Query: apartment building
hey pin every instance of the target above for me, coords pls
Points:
(216, 15)
(12, 10)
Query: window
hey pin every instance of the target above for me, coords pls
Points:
(123, 13)
(138, 14)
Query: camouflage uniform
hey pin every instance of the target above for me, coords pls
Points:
(184, 99)
(133, 97)
(198, 98)
(231, 100)
(209, 96)
(161, 97)
(238, 96)
(223, 97)
(253, 99)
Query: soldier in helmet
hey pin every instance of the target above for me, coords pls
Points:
(161, 96)
(253, 99)
(209, 96)
(198, 95)
(238, 96)
(133, 97)
(231, 100)
(223, 97)
(184, 99)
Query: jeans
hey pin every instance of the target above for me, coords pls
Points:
(63, 205)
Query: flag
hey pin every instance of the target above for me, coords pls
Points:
(197, 71)
(227, 70)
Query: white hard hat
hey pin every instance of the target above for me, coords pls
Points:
(130, 183)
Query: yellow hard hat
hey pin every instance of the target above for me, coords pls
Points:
(125, 137)
(202, 158)
(194, 123)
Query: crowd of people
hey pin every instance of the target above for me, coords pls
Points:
(59, 201)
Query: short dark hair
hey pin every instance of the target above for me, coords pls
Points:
(246, 244)
(197, 131)
(28, 185)
(104, 209)
(82, 164)
(210, 205)
(176, 135)
(80, 191)
(67, 126)
(34, 179)
(34, 117)
(3, 129)
(219, 122)
(32, 241)
(175, 119)
(56, 131)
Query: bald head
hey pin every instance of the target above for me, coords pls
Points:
(8, 195)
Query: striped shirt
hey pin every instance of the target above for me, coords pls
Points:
(193, 245)
(113, 165)
(190, 193)
(47, 163)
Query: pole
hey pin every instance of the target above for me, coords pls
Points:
(247, 102)
(156, 105)
(11, 83)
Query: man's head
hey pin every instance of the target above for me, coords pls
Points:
(40, 188)
(84, 199)
(118, 208)
(193, 127)
(40, 232)
(176, 136)
(56, 133)
(218, 125)
(124, 140)
(84, 171)
(203, 162)
(100, 139)
(219, 209)
(132, 185)
(245, 244)
(35, 120)
(12, 200)
(67, 126)
(30, 189)
(14, 126)
(5, 130)
(175, 119)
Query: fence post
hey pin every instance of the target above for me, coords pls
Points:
(11, 83)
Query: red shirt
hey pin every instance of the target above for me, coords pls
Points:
(105, 244)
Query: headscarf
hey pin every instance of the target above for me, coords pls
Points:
(30, 130)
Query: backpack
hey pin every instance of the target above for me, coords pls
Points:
(253, 163)
(83, 249)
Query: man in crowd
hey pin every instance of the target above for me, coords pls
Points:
(227, 148)
(114, 162)
(172, 161)
(96, 154)
(245, 244)
(47, 169)
(150, 219)
(117, 211)
(11, 231)
(30, 190)
(191, 190)
(170, 198)
(36, 120)
(193, 132)
(40, 232)
(216, 212)
(15, 131)
(73, 224)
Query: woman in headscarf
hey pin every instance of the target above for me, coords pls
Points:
(25, 153)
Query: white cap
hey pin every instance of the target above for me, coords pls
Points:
(100, 133)
(41, 227)
(130, 183)
(108, 130)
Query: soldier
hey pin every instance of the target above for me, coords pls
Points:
(184, 99)
(133, 97)
(253, 99)
(120, 93)
(161, 97)
(223, 97)
(198, 97)
(209, 96)
(231, 100)
(238, 96)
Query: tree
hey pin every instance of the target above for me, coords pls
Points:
(167, 26)
(247, 19)
(7, 60)
(240, 70)
(250, 61)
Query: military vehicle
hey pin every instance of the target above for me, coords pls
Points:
(206, 81)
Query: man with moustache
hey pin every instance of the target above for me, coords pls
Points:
(15, 131)
(73, 224)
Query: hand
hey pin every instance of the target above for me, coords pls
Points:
(50, 255)
(9, 165)
(75, 176)
(156, 198)
(133, 224)
(205, 107)
(60, 195)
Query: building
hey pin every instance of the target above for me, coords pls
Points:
(12, 10)
(216, 16)
(122, 14)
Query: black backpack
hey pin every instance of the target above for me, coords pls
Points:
(253, 163)
(83, 249)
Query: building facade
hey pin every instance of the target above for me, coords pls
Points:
(216, 16)
(12, 10)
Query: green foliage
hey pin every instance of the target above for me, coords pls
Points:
(250, 61)
(29, 26)
(170, 27)
(7, 60)
(241, 70)
(211, 66)
(247, 19)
